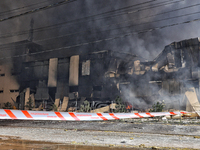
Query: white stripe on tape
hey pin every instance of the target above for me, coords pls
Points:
(70, 116)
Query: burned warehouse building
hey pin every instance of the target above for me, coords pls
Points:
(29, 71)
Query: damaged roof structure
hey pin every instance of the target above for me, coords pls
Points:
(177, 67)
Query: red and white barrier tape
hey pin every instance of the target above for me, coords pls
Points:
(70, 116)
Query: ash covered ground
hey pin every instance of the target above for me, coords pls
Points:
(142, 134)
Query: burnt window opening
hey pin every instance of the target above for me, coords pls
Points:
(73, 89)
(178, 58)
(86, 68)
(63, 60)
(15, 73)
(97, 88)
(2, 75)
(73, 95)
(1, 91)
(14, 91)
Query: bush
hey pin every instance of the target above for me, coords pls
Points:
(158, 107)
(7, 105)
(120, 107)
(85, 107)
(54, 108)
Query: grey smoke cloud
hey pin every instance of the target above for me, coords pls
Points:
(147, 45)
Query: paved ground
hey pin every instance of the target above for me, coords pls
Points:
(109, 133)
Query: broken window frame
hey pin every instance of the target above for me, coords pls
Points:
(14, 90)
(2, 75)
(86, 68)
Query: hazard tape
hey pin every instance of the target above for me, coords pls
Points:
(70, 116)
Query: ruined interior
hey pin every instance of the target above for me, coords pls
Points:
(99, 77)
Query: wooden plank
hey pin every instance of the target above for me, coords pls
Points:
(57, 101)
(189, 107)
(101, 110)
(64, 104)
(38, 109)
(192, 98)
(104, 109)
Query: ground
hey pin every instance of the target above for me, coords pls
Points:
(134, 134)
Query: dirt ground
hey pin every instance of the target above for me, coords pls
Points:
(134, 134)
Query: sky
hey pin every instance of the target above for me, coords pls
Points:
(141, 27)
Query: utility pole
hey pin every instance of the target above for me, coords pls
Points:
(30, 38)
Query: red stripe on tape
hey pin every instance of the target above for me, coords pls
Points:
(9, 112)
(183, 112)
(60, 116)
(172, 113)
(73, 116)
(137, 114)
(150, 115)
(26, 114)
(112, 115)
(101, 116)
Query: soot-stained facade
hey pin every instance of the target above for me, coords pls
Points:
(13, 55)
(167, 78)
(94, 77)
(176, 69)
(98, 76)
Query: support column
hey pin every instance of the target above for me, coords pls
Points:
(27, 96)
(74, 70)
(32, 96)
(52, 78)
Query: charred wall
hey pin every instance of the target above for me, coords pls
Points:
(101, 76)
(96, 80)
(11, 65)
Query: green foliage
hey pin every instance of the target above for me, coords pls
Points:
(54, 107)
(157, 107)
(85, 107)
(120, 107)
(7, 105)
(29, 104)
